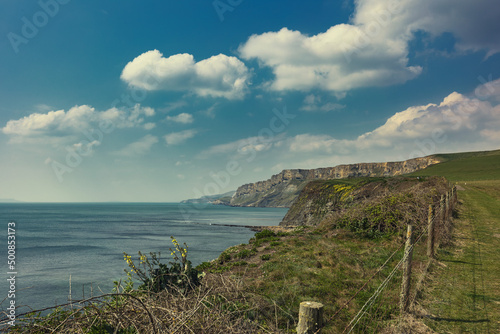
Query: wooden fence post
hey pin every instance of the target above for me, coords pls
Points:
(447, 210)
(404, 298)
(441, 207)
(430, 234)
(310, 318)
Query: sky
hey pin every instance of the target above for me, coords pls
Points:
(160, 101)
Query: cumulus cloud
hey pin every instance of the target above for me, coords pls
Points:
(183, 118)
(60, 126)
(474, 24)
(373, 49)
(217, 76)
(457, 123)
(176, 138)
(325, 61)
(138, 148)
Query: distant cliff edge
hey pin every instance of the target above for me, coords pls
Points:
(283, 188)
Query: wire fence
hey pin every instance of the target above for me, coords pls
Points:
(390, 300)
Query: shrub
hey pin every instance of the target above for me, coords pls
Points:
(264, 234)
(244, 253)
(203, 266)
(265, 257)
(224, 257)
(155, 276)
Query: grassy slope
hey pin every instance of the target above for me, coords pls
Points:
(473, 166)
(306, 265)
(323, 264)
(463, 295)
(460, 297)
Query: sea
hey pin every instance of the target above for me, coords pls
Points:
(71, 251)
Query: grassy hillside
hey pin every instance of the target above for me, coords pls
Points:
(462, 294)
(471, 166)
(463, 291)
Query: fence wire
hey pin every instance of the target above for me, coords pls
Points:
(443, 212)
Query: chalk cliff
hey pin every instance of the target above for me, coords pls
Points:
(283, 188)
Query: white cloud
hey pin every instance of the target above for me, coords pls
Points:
(325, 61)
(149, 126)
(373, 49)
(313, 103)
(138, 148)
(457, 123)
(217, 76)
(473, 23)
(183, 118)
(243, 148)
(61, 126)
(179, 137)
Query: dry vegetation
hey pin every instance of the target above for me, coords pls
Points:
(218, 305)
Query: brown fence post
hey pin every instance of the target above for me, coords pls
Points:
(404, 297)
(439, 230)
(442, 208)
(310, 318)
(447, 206)
(430, 234)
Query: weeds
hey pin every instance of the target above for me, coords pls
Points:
(171, 299)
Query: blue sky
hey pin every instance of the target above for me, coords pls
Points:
(166, 100)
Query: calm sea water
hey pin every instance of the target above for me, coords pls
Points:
(87, 241)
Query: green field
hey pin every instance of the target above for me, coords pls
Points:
(473, 166)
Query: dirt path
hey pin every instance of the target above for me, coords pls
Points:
(464, 293)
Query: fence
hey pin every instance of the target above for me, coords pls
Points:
(438, 230)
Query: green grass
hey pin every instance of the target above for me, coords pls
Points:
(464, 295)
(308, 266)
(474, 166)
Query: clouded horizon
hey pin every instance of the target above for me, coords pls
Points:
(159, 102)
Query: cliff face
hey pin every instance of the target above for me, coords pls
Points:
(378, 201)
(283, 188)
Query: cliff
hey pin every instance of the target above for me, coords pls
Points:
(364, 203)
(283, 188)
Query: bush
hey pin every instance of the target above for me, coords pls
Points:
(264, 234)
(224, 257)
(203, 266)
(243, 254)
(155, 276)
(265, 257)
